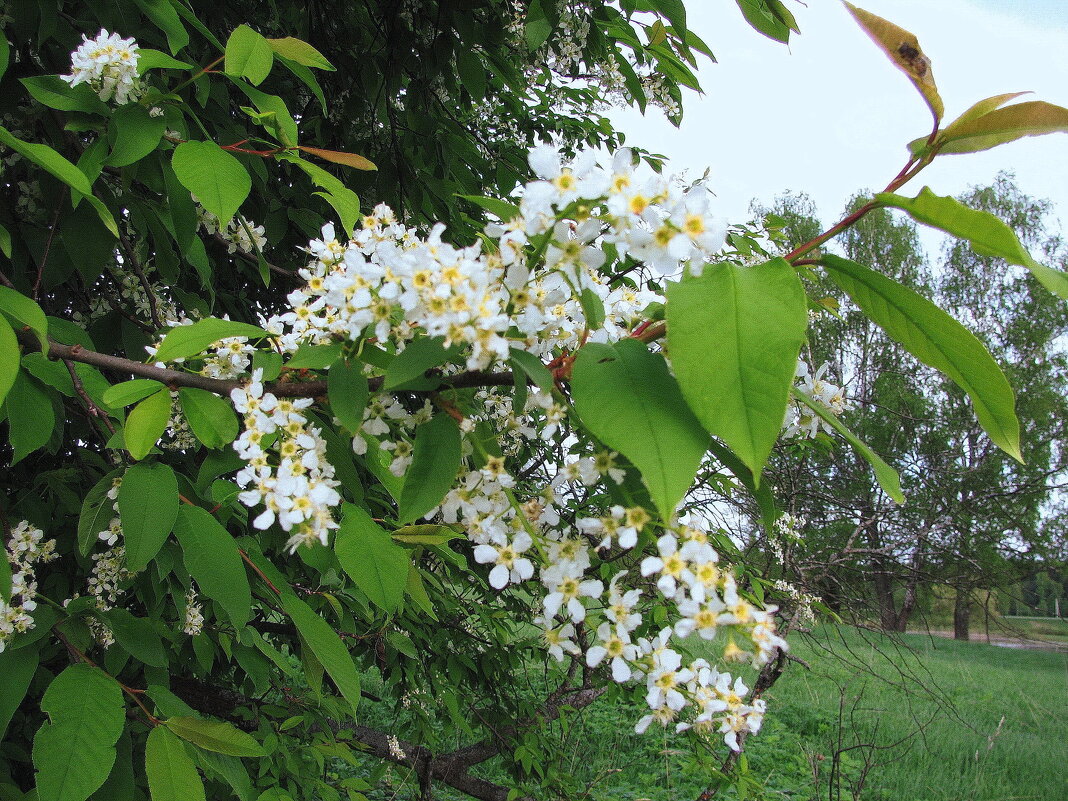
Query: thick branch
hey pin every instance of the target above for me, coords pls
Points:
(177, 378)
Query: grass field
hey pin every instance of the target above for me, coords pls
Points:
(913, 719)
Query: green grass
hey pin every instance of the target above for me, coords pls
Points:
(913, 719)
(974, 722)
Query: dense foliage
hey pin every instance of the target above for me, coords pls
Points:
(398, 455)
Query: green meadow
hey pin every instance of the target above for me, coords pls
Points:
(911, 718)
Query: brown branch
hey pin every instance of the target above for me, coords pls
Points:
(135, 264)
(48, 243)
(177, 378)
(90, 405)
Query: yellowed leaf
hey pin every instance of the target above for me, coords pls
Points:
(1033, 118)
(339, 157)
(903, 49)
(983, 107)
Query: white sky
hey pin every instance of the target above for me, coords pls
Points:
(829, 115)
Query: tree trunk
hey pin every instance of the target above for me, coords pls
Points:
(912, 588)
(962, 611)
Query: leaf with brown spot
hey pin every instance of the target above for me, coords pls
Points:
(338, 157)
(902, 48)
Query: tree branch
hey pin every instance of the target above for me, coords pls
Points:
(177, 378)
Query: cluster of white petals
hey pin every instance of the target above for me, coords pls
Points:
(241, 235)
(193, 623)
(287, 470)
(801, 421)
(108, 64)
(24, 551)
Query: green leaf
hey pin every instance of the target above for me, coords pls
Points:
(9, 357)
(592, 308)
(217, 179)
(734, 335)
(5, 582)
(987, 234)
(372, 560)
(272, 113)
(216, 736)
(886, 475)
(314, 357)
(184, 341)
(5, 57)
(502, 209)
(937, 340)
(172, 776)
(342, 199)
(74, 752)
(760, 16)
(268, 361)
(164, 17)
(119, 396)
(430, 534)
(137, 133)
(346, 387)
(301, 52)
(212, 419)
(472, 73)
(416, 590)
(25, 312)
(212, 558)
(30, 416)
(996, 127)
(903, 49)
(306, 77)
(627, 398)
(248, 55)
(97, 511)
(50, 161)
(54, 92)
(138, 636)
(435, 462)
(17, 668)
(533, 367)
(538, 25)
(148, 506)
(412, 362)
(326, 647)
(149, 59)
(146, 423)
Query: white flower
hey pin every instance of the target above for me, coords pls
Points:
(509, 566)
(566, 589)
(108, 64)
(614, 643)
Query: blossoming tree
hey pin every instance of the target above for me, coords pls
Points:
(244, 501)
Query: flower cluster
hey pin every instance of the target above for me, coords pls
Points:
(178, 436)
(24, 551)
(241, 235)
(194, 614)
(801, 421)
(298, 492)
(390, 283)
(537, 288)
(108, 64)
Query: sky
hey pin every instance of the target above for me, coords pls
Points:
(830, 116)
